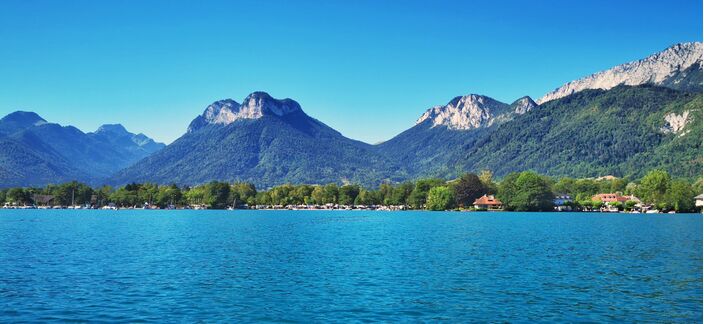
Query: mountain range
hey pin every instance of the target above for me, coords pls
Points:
(622, 121)
(265, 141)
(36, 152)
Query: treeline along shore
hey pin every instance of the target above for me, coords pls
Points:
(520, 191)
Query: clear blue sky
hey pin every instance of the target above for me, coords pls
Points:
(366, 68)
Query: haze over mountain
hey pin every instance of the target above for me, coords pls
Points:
(37, 152)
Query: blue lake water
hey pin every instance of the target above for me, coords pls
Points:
(348, 266)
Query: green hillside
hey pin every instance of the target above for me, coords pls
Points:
(596, 132)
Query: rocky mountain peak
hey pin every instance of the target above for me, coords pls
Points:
(654, 69)
(20, 120)
(222, 112)
(116, 129)
(116, 132)
(523, 105)
(261, 103)
(465, 112)
(23, 118)
(254, 106)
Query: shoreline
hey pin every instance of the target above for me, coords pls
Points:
(345, 210)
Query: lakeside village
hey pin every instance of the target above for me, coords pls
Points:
(656, 192)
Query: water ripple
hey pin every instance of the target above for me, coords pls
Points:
(297, 266)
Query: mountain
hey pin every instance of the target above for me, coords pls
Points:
(136, 146)
(678, 67)
(443, 133)
(631, 129)
(19, 120)
(265, 141)
(624, 121)
(624, 131)
(37, 152)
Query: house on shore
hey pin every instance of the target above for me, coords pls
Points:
(612, 197)
(563, 202)
(699, 201)
(488, 202)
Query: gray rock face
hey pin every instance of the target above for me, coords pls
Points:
(464, 113)
(523, 105)
(254, 106)
(475, 111)
(675, 123)
(654, 69)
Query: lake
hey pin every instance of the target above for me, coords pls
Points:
(323, 266)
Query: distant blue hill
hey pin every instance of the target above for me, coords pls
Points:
(35, 152)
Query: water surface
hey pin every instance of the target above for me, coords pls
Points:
(348, 265)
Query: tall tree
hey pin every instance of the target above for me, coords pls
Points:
(680, 196)
(418, 196)
(217, 194)
(440, 198)
(467, 189)
(487, 179)
(527, 191)
(653, 186)
(347, 194)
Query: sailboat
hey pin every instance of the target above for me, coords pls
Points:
(234, 203)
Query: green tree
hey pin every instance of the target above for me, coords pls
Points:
(245, 193)
(263, 198)
(125, 197)
(631, 189)
(302, 193)
(195, 195)
(418, 196)
(440, 198)
(526, 192)
(508, 189)
(680, 196)
(282, 195)
(653, 186)
(169, 195)
(585, 188)
(618, 185)
(596, 204)
(148, 193)
(368, 198)
(401, 193)
(19, 196)
(386, 191)
(487, 179)
(468, 189)
(629, 205)
(564, 186)
(318, 195)
(619, 205)
(216, 195)
(348, 194)
(330, 192)
(103, 195)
